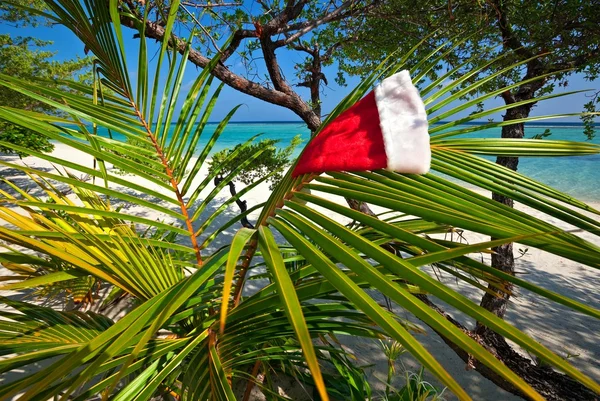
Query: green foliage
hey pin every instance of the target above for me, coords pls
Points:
(588, 119)
(257, 44)
(142, 160)
(23, 12)
(543, 135)
(27, 58)
(349, 380)
(23, 137)
(416, 389)
(272, 161)
(563, 35)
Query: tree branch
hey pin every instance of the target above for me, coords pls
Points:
(509, 39)
(290, 12)
(268, 50)
(302, 48)
(290, 101)
(329, 52)
(302, 28)
(554, 386)
(214, 42)
(236, 40)
(242, 204)
(212, 5)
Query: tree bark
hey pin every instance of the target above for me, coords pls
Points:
(291, 101)
(503, 257)
(552, 385)
(316, 76)
(242, 204)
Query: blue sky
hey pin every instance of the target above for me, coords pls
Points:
(68, 46)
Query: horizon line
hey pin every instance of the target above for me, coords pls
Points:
(541, 123)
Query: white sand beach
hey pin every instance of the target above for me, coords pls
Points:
(568, 333)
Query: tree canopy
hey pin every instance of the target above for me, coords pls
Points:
(358, 34)
(269, 165)
(556, 37)
(23, 12)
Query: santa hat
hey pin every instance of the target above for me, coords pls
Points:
(385, 129)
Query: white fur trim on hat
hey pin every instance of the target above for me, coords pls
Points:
(403, 122)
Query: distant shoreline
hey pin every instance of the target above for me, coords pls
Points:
(531, 124)
(539, 124)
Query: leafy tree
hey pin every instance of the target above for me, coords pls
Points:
(193, 332)
(268, 166)
(20, 13)
(551, 39)
(11, 133)
(27, 58)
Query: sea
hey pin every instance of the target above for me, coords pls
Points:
(578, 176)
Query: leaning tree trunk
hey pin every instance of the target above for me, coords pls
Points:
(503, 257)
(551, 384)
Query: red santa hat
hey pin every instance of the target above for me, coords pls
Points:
(385, 129)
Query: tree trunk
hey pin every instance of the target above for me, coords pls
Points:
(503, 257)
(241, 203)
(552, 385)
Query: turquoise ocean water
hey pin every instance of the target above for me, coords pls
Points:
(577, 176)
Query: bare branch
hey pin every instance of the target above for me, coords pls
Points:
(305, 27)
(214, 42)
(197, 5)
(268, 50)
(290, 100)
(238, 36)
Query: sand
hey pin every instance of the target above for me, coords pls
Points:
(567, 333)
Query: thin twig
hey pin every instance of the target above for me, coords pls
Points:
(190, 4)
(217, 48)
